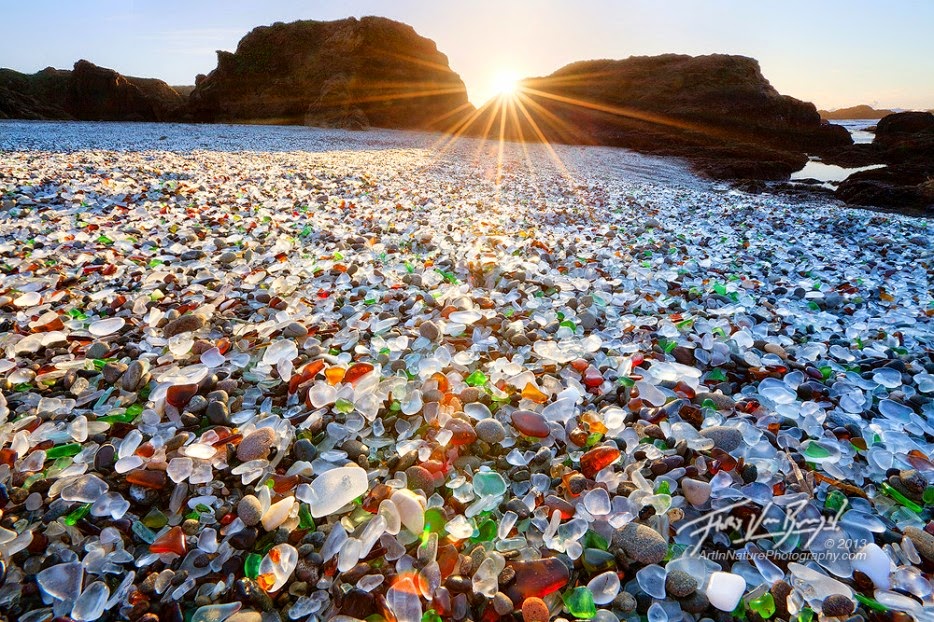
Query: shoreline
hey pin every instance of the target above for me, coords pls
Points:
(387, 138)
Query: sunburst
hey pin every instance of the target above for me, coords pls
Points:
(505, 83)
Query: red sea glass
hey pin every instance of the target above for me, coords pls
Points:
(463, 432)
(308, 372)
(179, 395)
(537, 578)
(530, 423)
(172, 541)
(592, 377)
(565, 509)
(598, 458)
(357, 371)
(147, 479)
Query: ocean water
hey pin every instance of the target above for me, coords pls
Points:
(859, 129)
(830, 174)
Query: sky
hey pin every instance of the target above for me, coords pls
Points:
(834, 53)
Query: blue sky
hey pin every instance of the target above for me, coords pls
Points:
(832, 52)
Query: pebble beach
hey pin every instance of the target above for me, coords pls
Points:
(261, 374)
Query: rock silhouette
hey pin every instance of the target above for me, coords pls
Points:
(349, 73)
(86, 93)
(854, 112)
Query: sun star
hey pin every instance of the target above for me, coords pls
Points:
(505, 83)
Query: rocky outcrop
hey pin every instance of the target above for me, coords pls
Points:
(905, 143)
(905, 127)
(854, 112)
(101, 94)
(905, 189)
(346, 73)
(719, 111)
(88, 93)
(35, 96)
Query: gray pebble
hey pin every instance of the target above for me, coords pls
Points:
(588, 320)
(217, 413)
(490, 431)
(250, 510)
(132, 376)
(305, 450)
(723, 437)
(112, 371)
(680, 584)
(642, 543)
(97, 350)
(294, 331)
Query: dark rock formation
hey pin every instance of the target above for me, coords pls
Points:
(905, 143)
(904, 126)
(899, 188)
(101, 94)
(718, 111)
(348, 73)
(40, 95)
(88, 93)
(854, 112)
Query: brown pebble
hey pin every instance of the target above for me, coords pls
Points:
(923, 541)
(534, 609)
(184, 324)
(507, 575)
(256, 445)
(780, 592)
(837, 605)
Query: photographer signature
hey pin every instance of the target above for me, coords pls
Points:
(793, 524)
